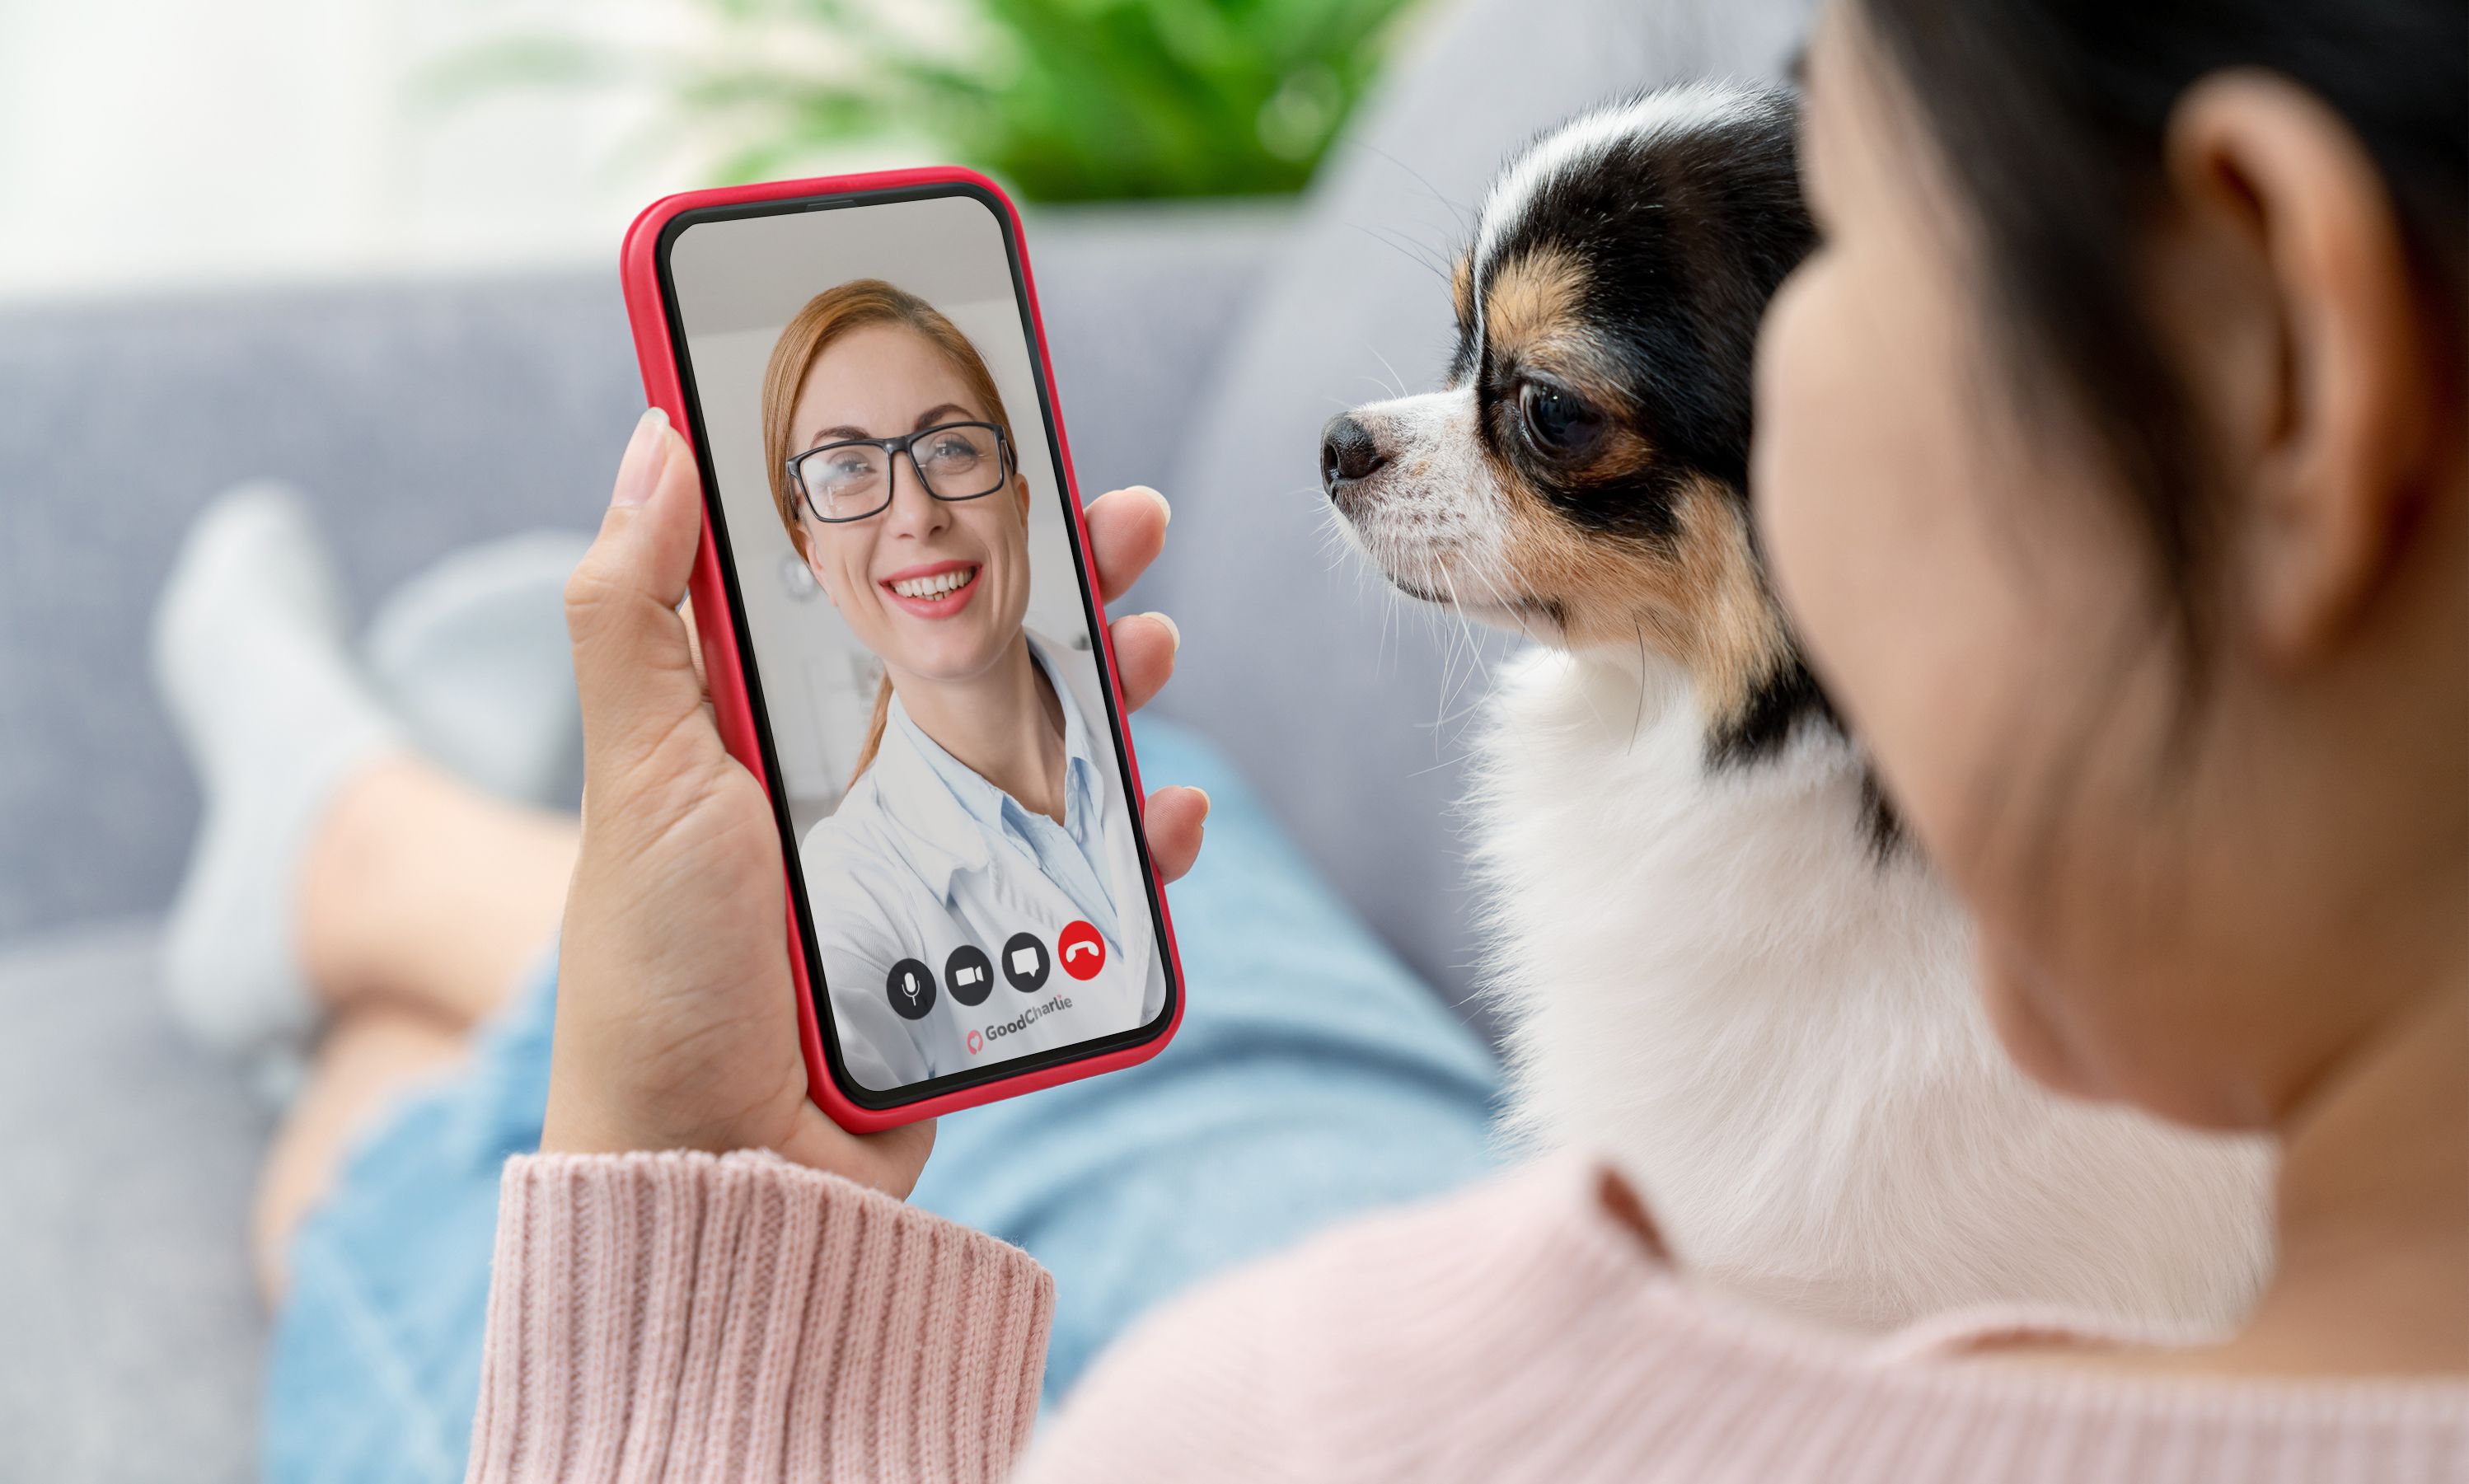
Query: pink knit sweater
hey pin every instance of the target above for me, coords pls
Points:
(682, 1317)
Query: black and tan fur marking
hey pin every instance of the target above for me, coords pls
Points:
(1589, 466)
(1630, 283)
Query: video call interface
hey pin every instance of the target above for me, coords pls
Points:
(896, 524)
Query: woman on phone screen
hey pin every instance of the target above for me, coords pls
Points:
(988, 811)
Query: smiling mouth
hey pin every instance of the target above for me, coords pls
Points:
(935, 584)
(938, 591)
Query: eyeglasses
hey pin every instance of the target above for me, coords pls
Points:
(851, 479)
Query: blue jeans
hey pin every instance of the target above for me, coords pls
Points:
(1313, 1078)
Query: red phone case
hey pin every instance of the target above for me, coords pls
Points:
(649, 314)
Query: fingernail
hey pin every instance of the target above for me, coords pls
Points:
(1204, 801)
(1164, 502)
(639, 474)
(1170, 628)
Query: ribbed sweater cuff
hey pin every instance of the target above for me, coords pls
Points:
(690, 1316)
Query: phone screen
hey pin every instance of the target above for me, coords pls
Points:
(919, 636)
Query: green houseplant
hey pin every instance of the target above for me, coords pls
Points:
(1064, 100)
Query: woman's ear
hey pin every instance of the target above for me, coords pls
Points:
(2307, 350)
(1020, 494)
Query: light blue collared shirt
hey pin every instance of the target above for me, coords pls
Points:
(1073, 853)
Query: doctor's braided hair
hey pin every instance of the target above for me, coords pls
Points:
(812, 330)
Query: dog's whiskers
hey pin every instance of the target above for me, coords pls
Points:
(1407, 251)
(1637, 724)
(1464, 215)
(1397, 384)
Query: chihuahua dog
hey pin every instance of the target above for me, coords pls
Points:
(1717, 958)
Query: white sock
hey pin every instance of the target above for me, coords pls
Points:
(250, 654)
(473, 656)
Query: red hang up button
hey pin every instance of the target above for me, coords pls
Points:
(1081, 951)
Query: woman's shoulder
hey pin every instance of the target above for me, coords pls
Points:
(1532, 1327)
(840, 853)
(1403, 1326)
(857, 904)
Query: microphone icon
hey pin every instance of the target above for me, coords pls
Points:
(910, 987)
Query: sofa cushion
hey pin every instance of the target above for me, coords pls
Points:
(132, 1331)
(1361, 753)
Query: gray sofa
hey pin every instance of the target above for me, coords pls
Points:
(1197, 349)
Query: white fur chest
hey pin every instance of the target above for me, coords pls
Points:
(1711, 975)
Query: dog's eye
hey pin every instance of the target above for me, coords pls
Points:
(1556, 423)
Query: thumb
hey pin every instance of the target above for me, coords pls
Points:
(633, 666)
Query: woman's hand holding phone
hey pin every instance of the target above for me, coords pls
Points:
(677, 1020)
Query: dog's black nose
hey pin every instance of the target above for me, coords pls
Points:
(1348, 452)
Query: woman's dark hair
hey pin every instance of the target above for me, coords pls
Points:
(2050, 116)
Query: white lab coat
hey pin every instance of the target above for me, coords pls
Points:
(901, 870)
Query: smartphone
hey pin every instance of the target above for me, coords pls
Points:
(902, 634)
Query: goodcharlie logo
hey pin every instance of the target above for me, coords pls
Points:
(1021, 1022)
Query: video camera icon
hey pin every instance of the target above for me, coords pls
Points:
(968, 975)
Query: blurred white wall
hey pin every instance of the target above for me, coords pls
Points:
(150, 142)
